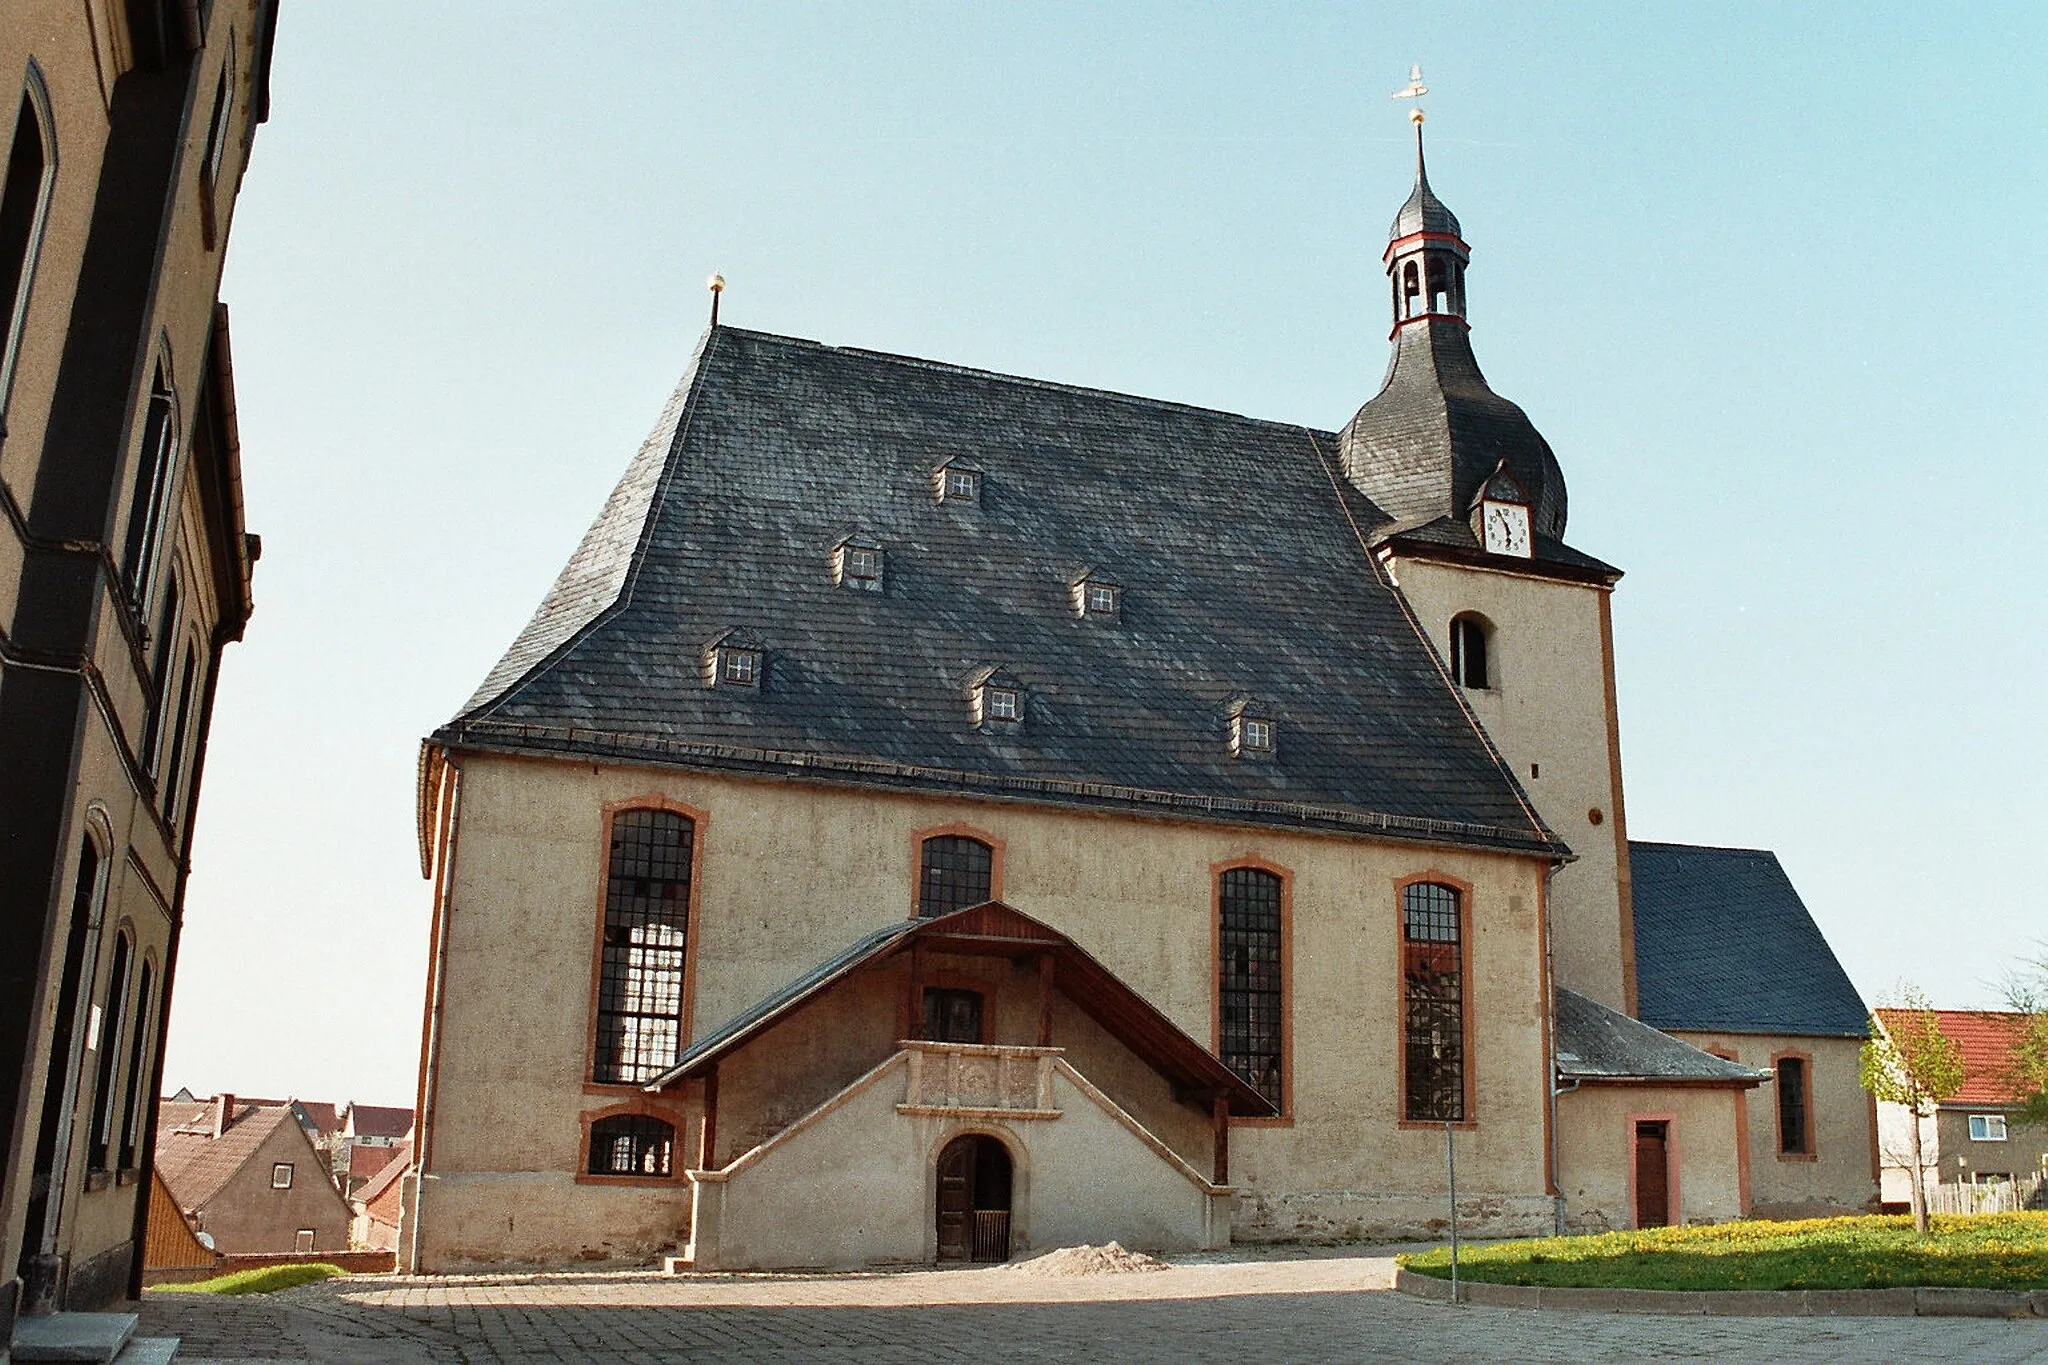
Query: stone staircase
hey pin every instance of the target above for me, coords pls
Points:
(99, 1338)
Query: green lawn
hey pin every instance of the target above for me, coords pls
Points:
(1975, 1251)
(259, 1281)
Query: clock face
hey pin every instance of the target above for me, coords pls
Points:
(1507, 528)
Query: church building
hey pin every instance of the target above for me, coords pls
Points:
(942, 815)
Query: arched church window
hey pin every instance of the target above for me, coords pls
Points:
(955, 871)
(1433, 1003)
(632, 1144)
(1250, 995)
(1471, 662)
(646, 933)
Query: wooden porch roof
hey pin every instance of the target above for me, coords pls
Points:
(997, 930)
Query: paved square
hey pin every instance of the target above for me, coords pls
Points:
(1291, 1305)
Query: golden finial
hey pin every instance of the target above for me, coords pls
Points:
(1415, 90)
(716, 284)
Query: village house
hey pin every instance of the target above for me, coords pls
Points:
(939, 814)
(1973, 1138)
(245, 1177)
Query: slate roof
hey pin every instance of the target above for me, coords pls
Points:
(1595, 1043)
(1725, 945)
(1238, 546)
(1986, 1039)
(1455, 534)
(194, 1163)
(1423, 211)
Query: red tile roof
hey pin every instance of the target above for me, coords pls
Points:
(321, 1115)
(381, 1195)
(194, 1163)
(365, 1162)
(377, 1120)
(1986, 1038)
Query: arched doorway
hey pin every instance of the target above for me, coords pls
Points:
(974, 1199)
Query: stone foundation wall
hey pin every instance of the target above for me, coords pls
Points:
(1333, 1216)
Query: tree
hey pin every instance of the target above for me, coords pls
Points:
(2026, 992)
(1915, 1064)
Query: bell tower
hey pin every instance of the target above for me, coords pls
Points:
(1473, 506)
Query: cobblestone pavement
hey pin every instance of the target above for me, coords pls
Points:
(1235, 1307)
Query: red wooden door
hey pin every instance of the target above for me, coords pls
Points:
(956, 1199)
(1653, 1176)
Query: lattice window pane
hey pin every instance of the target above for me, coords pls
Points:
(632, 1144)
(1248, 987)
(958, 872)
(646, 927)
(1433, 999)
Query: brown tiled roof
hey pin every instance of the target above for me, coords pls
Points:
(377, 1120)
(326, 1122)
(194, 1163)
(380, 1196)
(1986, 1038)
(365, 1162)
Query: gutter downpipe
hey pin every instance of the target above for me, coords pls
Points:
(1550, 1005)
(430, 1061)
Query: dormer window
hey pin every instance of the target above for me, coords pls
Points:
(735, 659)
(1252, 731)
(857, 563)
(956, 481)
(998, 698)
(1096, 596)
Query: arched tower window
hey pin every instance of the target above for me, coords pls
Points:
(954, 872)
(1410, 302)
(632, 1144)
(113, 1022)
(1250, 996)
(1433, 1003)
(148, 508)
(646, 933)
(1471, 651)
(24, 201)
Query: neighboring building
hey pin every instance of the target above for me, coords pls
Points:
(1728, 959)
(169, 1244)
(375, 1207)
(124, 574)
(1973, 1138)
(938, 814)
(244, 1175)
(375, 1125)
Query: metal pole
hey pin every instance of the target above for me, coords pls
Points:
(1451, 1165)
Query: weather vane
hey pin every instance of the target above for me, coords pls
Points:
(1415, 91)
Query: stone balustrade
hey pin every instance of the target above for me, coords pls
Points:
(979, 1079)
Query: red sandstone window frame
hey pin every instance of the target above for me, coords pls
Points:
(1811, 1151)
(1469, 1060)
(646, 1107)
(997, 850)
(1285, 1118)
(698, 842)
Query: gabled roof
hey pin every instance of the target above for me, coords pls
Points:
(1986, 1039)
(1238, 546)
(1597, 1044)
(1725, 945)
(194, 1163)
(377, 1120)
(387, 1177)
(319, 1115)
(995, 929)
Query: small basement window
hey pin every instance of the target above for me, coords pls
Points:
(1987, 1128)
(956, 481)
(281, 1175)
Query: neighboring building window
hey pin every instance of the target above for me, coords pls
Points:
(1433, 988)
(646, 927)
(956, 872)
(148, 508)
(302, 1240)
(174, 762)
(217, 124)
(281, 1175)
(24, 201)
(1250, 996)
(1987, 1128)
(160, 673)
(1469, 663)
(952, 1016)
(138, 1064)
(1795, 1137)
(113, 1033)
(632, 1144)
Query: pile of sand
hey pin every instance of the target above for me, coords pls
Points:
(1067, 1262)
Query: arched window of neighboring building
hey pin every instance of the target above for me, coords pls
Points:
(1471, 662)
(646, 933)
(160, 673)
(138, 1067)
(24, 202)
(113, 1033)
(148, 507)
(1433, 1002)
(1250, 995)
(632, 1144)
(955, 871)
(174, 761)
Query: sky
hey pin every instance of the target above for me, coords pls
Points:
(1770, 280)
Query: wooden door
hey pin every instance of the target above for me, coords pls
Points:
(1653, 1176)
(956, 1199)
